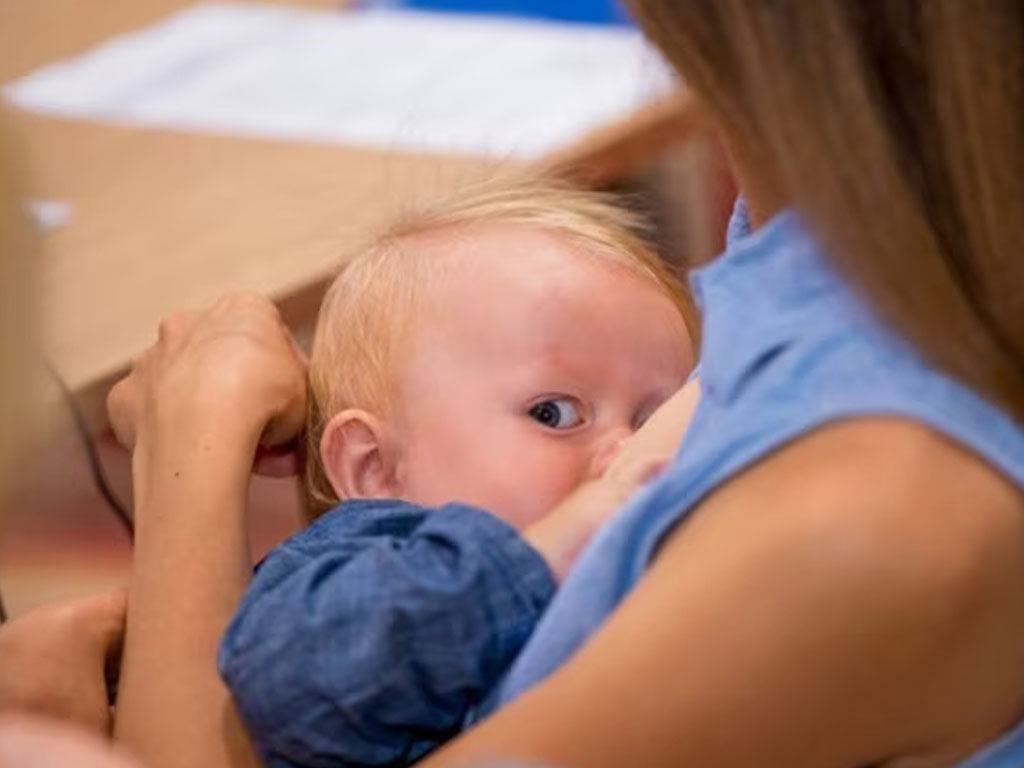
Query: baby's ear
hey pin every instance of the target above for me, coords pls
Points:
(356, 456)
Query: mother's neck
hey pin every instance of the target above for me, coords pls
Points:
(762, 196)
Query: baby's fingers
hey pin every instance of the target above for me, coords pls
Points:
(626, 476)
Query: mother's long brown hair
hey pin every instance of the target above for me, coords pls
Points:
(897, 128)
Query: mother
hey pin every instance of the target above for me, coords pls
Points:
(832, 572)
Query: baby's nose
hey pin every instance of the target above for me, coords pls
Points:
(606, 450)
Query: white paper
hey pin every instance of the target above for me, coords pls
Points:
(391, 79)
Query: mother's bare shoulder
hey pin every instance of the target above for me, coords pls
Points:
(916, 519)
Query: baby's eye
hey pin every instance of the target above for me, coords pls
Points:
(557, 413)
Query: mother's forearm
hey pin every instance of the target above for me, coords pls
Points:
(191, 565)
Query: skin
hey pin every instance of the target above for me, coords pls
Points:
(528, 369)
(52, 660)
(172, 410)
(27, 742)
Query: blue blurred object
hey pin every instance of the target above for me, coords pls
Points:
(583, 11)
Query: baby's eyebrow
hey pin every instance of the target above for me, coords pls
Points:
(562, 366)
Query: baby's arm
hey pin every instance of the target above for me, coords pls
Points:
(365, 639)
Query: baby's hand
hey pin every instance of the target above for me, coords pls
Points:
(659, 437)
(563, 534)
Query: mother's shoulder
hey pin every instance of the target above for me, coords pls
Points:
(897, 466)
(892, 562)
(879, 490)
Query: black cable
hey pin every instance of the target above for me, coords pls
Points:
(99, 476)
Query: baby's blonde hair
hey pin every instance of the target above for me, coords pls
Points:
(367, 313)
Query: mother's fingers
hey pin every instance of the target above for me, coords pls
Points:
(290, 417)
(175, 326)
(123, 403)
(100, 617)
(284, 365)
(235, 361)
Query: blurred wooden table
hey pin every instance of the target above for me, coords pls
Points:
(163, 221)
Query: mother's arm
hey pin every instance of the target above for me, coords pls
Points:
(195, 408)
(802, 618)
(191, 564)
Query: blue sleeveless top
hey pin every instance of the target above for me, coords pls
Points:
(787, 348)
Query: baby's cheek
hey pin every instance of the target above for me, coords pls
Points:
(515, 476)
(535, 485)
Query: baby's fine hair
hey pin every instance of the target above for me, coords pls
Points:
(368, 312)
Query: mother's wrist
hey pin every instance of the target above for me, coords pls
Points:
(200, 425)
(192, 459)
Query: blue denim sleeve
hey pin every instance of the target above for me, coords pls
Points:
(366, 638)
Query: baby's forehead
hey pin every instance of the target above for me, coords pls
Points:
(475, 240)
(488, 272)
(499, 280)
(488, 250)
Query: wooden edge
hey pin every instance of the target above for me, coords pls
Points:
(298, 307)
(616, 151)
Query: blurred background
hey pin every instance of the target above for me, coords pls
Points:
(170, 151)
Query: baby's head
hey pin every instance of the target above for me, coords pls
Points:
(493, 350)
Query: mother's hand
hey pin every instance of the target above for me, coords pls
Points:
(196, 408)
(54, 660)
(231, 373)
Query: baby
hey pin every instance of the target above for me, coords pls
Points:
(490, 354)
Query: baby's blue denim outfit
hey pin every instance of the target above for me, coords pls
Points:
(366, 638)
(787, 348)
